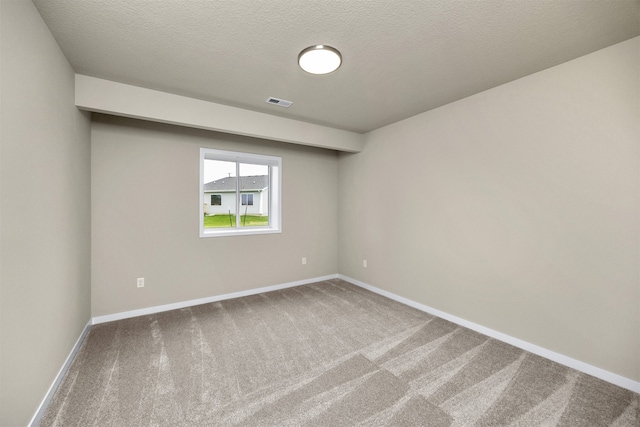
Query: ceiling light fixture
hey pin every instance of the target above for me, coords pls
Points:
(319, 59)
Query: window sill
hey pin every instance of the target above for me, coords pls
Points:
(238, 232)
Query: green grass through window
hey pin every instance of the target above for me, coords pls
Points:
(226, 221)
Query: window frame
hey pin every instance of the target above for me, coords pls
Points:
(275, 192)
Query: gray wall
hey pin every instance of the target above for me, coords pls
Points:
(516, 209)
(144, 190)
(45, 211)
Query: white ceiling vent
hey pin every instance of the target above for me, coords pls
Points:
(280, 102)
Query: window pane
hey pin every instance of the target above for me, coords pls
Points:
(239, 193)
(254, 191)
(219, 178)
(247, 199)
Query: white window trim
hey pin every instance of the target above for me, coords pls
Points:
(275, 192)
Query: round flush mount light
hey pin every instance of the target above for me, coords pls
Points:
(319, 59)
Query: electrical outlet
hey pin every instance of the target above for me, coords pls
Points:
(364, 263)
(304, 261)
(140, 282)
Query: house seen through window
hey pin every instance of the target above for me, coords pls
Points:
(239, 193)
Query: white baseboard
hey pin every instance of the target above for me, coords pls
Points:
(37, 417)
(160, 308)
(610, 377)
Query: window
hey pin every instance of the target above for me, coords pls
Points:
(239, 193)
(247, 200)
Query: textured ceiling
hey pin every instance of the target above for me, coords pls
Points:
(400, 58)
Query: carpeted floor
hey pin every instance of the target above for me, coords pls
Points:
(326, 354)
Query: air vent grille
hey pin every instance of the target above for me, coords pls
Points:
(280, 102)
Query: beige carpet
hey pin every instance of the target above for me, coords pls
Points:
(326, 354)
